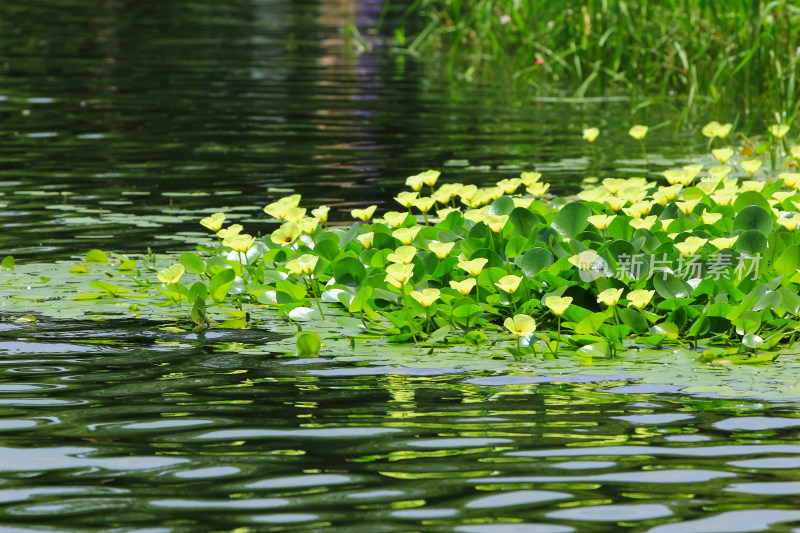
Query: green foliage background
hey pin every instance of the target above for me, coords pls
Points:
(737, 55)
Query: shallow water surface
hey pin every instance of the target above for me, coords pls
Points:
(154, 428)
(124, 122)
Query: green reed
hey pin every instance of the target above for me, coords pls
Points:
(730, 55)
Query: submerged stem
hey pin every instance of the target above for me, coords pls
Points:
(310, 285)
(408, 313)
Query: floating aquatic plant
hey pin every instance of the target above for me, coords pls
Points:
(700, 257)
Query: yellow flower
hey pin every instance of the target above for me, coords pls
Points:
(423, 204)
(481, 197)
(724, 130)
(613, 185)
(321, 213)
(464, 287)
(694, 170)
(442, 213)
(171, 274)
(276, 210)
(678, 176)
(529, 178)
(494, 192)
(426, 297)
(708, 185)
(722, 154)
(710, 218)
(671, 192)
(230, 231)
(753, 185)
(467, 192)
(240, 243)
(558, 304)
(214, 222)
(614, 203)
(778, 130)
(441, 249)
(398, 274)
(710, 129)
(477, 215)
(790, 179)
(305, 264)
(366, 239)
(722, 198)
(520, 325)
(690, 245)
(584, 260)
(523, 202)
(751, 165)
(688, 206)
(721, 243)
(633, 194)
(789, 223)
(538, 189)
(286, 234)
(509, 283)
(294, 214)
(590, 134)
(415, 182)
(509, 185)
(308, 225)
(720, 171)
(638, 132)
(496, 223)
(593, 194)
(660, 198)
(441, 197)
(609, 297)
(645, 223)
(406, 198)
(637, 182)
(395, 219)
(279, 208)
(640, 298)
(406, 235)
(601, 222)
(715, 129)
(447, 191)
(474, 267)
(290, 201)
(404, 255)
(364, 214)
(429, 177)
(639, 209)
(781, 196)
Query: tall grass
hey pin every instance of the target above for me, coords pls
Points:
(728, 55)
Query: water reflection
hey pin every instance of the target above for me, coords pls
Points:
(182, 432)
(124, 124)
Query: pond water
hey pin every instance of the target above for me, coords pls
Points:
(123, 123)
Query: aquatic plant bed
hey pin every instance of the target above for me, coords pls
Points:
(706, 262)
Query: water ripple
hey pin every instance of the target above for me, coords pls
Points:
(744, 521)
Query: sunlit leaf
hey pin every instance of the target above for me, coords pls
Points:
(308, 344)
(96, 256)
